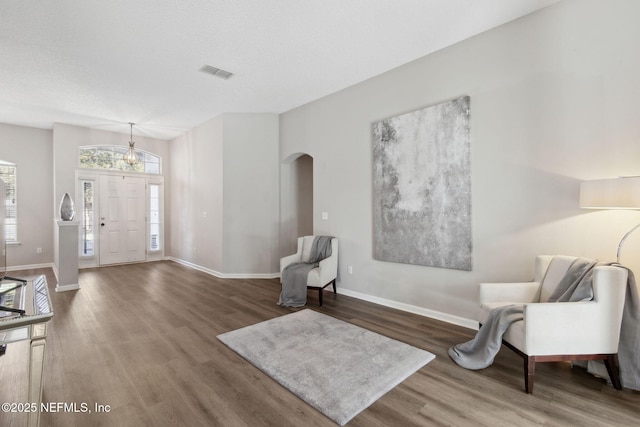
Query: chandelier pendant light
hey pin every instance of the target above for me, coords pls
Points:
(130, 156)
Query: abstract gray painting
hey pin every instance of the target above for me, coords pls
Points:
(422, 187)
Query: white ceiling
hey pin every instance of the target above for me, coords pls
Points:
(102, 64)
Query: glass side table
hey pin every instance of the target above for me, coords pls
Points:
(25, 309)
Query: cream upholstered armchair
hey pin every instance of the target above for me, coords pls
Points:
(323, 275)
(561, 331)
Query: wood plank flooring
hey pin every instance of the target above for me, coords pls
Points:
(141, 339)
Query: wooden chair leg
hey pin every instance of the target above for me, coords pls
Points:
(612, 369)
(529, 373)
(322, 288)
(530, 364)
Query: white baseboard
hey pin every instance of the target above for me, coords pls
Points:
(29, 267)
(65, 288)
(433, 314)
(225, 275)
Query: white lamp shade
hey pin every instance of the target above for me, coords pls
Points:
(615, 193)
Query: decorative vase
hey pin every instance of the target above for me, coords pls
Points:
(67, 211)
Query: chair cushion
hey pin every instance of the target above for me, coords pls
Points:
(307, 243)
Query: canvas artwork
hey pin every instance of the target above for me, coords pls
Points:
(422, 187)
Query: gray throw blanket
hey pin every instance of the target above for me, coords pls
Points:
(294, 276)
(480, 351)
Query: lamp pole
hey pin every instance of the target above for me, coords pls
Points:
(622, 241)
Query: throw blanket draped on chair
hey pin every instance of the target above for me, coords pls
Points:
(294, 276)
(576, 285)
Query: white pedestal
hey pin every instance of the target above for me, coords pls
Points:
(66, 255)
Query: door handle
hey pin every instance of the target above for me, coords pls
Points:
(102, 224)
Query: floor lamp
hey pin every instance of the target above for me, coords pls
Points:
(614, 193)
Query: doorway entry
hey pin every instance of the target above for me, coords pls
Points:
(122, 219)
(296, 200)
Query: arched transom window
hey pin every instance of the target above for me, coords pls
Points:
(111, 157)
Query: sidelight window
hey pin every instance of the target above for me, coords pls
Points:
(87, 236)
(9, 176)
(155, 243)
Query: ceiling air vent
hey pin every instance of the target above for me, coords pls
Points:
(216, 72)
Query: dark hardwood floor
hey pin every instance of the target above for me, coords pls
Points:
(142, 339)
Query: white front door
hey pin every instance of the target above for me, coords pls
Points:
(122, 219)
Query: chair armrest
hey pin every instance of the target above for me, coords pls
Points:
(570, 328)
(328, 269)
(524, 292)
(329, 266)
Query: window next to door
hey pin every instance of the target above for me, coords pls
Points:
(9, 176)
(154, 244)
(87, 237)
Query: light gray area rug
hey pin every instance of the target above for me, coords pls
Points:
(336, 367)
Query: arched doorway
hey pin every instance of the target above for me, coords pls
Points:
(296, 208)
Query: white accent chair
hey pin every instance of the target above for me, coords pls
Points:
(561, 331)
(323, 275)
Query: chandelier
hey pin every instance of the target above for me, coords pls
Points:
(130, 156)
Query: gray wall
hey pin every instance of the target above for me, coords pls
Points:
(197, 188)
(251, 189)
(553, 101)
(228, 168)
(30, 149)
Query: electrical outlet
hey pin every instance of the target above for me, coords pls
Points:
(38, 250)
(350, 269)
